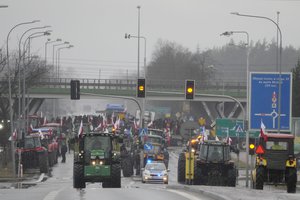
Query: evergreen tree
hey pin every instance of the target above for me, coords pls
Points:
(296, 91)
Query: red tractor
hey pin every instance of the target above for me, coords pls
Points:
(31, 154)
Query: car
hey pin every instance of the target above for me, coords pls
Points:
(155, 172)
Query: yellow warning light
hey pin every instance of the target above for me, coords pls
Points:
(141, 88)
(251, 146)
(189, 90)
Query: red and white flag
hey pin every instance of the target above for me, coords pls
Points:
(136, 127)
(80, 130)
(30, 128)
(45, 120)
(15, 135)
(150, 124)
(262, 131)
(229, 140)
(117, 124)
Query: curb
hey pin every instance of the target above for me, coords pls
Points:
(40, 179)
(200, 191)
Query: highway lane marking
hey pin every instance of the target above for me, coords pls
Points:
(52, 195)
(185, 195)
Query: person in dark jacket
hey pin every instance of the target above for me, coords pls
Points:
(64, 150)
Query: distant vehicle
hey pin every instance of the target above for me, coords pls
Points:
(155, 172)
(116, 108)
(212, 165)
(275, 162)
(31, 154)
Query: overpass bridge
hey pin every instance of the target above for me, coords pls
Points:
(156, 90)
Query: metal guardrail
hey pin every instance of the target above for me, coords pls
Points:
(128, 86)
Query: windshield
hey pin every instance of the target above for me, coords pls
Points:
(155, 149)
(98, 142)
(276, 145)
(150, 139)
(32, 142)
(214, 152)
(155, 166)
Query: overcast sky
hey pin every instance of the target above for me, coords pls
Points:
(96, 28)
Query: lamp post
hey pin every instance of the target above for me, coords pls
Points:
(128, 36)
(280, 58)
(58, 57)
(9, 91)
(31, 36)
(138, 64)
(54, 73)
(53, 56)
(19, 73)
(228, 33)
(48, 42)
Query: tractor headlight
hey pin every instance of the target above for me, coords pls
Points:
(97, 162)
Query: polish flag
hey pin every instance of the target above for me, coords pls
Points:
(135, 125)
(262, 131)
(30, 128)
(45, 120)
(80, 130)
(229, 140)
(14, 134)
(99, 127)
(150, 124)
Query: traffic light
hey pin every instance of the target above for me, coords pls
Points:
(141, 88)
(251, 149)
(189, 89)
(75, 89)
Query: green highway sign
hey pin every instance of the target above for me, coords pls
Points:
(230, 127)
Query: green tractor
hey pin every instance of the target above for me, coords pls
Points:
(97, 159)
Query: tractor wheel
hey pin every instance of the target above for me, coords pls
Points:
(44, 163)
(291, 180)
(197, 175)
(78, 177)
(231, 179)
(127, 167)
(181, 168)
(259, 182)
(116, 176)
(106, 185)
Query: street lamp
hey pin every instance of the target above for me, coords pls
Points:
(58, 57)
(19, 73)
(31, 36)
(53, 56)
(228, 33)
(128, 36)
(280, 58)
(9, 91)
(48, 42)
(139, 11)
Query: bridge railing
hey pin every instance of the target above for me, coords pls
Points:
(151, 85)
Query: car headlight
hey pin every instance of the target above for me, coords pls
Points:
(146, 173)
